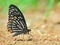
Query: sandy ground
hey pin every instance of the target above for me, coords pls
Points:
(43, 31)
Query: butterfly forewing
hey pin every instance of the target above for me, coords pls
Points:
(16, 21)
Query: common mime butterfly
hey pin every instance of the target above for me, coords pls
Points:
(16, 21)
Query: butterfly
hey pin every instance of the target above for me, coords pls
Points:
(16, 21)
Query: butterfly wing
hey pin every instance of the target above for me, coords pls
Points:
(16, 21)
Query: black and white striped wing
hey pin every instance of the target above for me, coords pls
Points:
(16, 20)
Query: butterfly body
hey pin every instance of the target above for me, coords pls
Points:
(16, 21)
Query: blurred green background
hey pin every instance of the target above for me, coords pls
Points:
(24, 5)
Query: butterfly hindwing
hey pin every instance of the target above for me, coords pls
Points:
(16, 21)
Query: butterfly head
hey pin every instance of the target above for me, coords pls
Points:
(27, 31)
